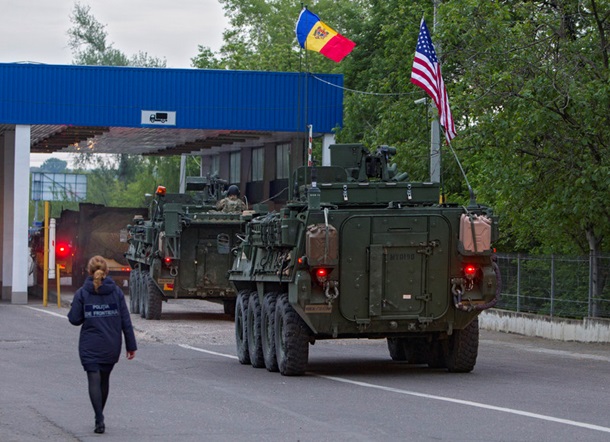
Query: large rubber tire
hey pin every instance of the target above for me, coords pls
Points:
(229, 307)
(291, 339)
(154, 299)
(134, 294)
(268, 331)
(462, 348)
(397, 349)
(255, 347)
(241, 327)
(143, 292)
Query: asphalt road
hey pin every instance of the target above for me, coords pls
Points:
(187, 385)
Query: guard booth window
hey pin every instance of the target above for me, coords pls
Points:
(235, 167)
(282, 161)
(258, 156)
(215, 165)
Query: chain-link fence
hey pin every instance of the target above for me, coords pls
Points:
(563, 286)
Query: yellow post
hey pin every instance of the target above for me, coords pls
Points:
(45, 260)
(58, 285)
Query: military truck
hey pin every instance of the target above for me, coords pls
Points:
(93, 229)
(183, 249)
(359, 251)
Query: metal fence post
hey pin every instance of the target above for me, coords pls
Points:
(590, 300)
(552, 284)
(518, 282)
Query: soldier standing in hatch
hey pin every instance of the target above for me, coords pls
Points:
(100, 307)
(231, 203)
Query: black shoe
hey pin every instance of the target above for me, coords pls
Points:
(99, 427)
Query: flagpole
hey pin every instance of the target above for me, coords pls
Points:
(435, 136)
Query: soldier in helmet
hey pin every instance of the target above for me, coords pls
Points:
(231, 203)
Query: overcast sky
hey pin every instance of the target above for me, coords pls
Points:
(36, 30)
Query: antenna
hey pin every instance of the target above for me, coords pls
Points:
(473, 200)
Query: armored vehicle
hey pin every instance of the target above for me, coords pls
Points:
(183, 250)
(359, 251)
(93, 229)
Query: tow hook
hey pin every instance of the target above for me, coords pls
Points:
(331, 286)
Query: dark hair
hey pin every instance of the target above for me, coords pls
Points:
(98, 269)
(233, 190)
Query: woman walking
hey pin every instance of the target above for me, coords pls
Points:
(99, 306)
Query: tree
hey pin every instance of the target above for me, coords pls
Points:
(261, 36)
(88, 40)
(534, 79)
(54, 165)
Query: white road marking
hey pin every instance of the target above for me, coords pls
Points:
(471, 404)
(437, 398)
(224, 355)
(47, 312)
(413, 393)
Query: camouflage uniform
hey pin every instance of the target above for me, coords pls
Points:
(228, 205)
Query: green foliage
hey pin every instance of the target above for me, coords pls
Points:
(534, 83)
(529, 86)
(54, 165)
(119, 180)
(108, 184)
(88, 40)
(261, 36)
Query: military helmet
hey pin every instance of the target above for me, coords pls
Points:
(233, 190)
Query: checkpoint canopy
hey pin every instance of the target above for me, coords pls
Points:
(163, 111)
(151, 111)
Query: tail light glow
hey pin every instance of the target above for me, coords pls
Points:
(470, 270)
(62, 250)
(322, 272)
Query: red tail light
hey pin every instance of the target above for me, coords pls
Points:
(62, 250)
(470, 270)
(322, 274)
(168, 261)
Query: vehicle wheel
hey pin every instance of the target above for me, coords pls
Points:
(268, 331)
(462, 348)
(241, 329)
(134, 294)
(143, 293)
(397, 349)
(291, 339)
(229, 307)
(154, 299)
(255, 348)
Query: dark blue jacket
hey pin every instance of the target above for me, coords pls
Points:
(104, 317)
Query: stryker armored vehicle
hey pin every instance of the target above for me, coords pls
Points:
(183, 250)
(359, 251)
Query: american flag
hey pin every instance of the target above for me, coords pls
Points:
(427, 75)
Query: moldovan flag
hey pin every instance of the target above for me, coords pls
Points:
(317, 36)
(427, 75)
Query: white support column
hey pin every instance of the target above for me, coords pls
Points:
(1, 208)
(21, 190)
(327, 140)
(182, 173)
(8, 176)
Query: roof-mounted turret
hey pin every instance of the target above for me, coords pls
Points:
(357, 176)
